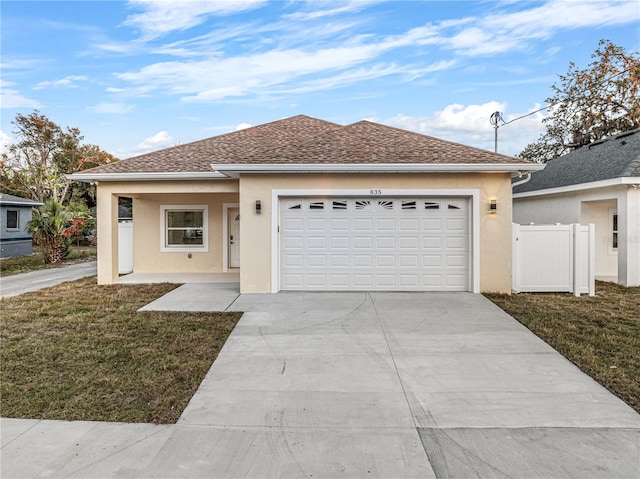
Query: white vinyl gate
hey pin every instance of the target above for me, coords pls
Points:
(379, 244)
(554, 258)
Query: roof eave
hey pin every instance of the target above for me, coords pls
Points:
(625, 180)
(234, 170)
(157, 176)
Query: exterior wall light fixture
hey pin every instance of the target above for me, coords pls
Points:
(258, 207)
(493, 207)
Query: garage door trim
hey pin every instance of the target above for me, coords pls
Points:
(472, 194)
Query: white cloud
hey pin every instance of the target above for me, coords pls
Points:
(243, 125)
(162, 139)
(111, 108)
(5, 141)
(11, 98)
(284, 60)
(352, 6)
(70, 81)
(470, 125)
(159, 17)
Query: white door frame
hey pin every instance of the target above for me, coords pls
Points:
(225, 234)
(472, 194)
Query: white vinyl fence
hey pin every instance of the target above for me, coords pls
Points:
(554, 258)
(125, 247)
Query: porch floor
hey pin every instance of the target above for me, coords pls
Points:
(146, 278)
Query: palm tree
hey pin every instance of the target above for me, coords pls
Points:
(48, 227)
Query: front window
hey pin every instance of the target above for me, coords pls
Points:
(184, 228)
(13, 219)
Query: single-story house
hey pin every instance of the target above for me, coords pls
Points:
(598, 184)
(306, 204)
(15, 214)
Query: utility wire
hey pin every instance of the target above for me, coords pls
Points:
(504, 123)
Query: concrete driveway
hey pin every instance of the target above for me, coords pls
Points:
(374, 385)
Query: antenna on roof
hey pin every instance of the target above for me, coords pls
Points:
(495, 120)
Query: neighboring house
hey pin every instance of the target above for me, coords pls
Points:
(305, 204)
(599, 184)
(15, 240)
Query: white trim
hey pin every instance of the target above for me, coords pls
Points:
(225, 234)
(186, 248)
(146, 176)
(473, 194)
(233, 170)
(625, 180)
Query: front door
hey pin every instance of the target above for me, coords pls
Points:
(234, 237)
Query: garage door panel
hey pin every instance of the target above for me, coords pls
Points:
(363, 225)
(316, 242)
(339, 261)
(363, 260)
(316, 260)
(317, 224)
(408, 244)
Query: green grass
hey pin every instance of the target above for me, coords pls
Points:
(600, 334)
(24, 264)
(79, 351)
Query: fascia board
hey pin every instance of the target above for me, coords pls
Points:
(236, 169)
(625, 180)
(164, 176)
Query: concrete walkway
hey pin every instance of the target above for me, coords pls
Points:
(34, 280)
(372, 385)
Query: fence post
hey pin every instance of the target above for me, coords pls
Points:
(577, 264)
(592, 259)
(515, 232)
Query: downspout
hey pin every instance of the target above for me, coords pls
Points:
(521, 182)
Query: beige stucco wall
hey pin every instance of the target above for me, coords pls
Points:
(147, 198)
(147, 257)
(495, 230)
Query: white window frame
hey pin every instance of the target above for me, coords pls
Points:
(17, 220)
(203, 248)
(613, 249)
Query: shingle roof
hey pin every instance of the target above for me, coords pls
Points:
(614, 157)
(305, 140)
(6, 199)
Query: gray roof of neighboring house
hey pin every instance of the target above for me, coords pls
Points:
(614, 157)
(305, 140)
(6, 199)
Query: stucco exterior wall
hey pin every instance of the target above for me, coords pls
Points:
(147, 198)
(495, 230)
(147, 257)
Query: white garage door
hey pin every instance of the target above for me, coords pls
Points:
(380, 244)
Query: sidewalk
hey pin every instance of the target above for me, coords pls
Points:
(34, 280)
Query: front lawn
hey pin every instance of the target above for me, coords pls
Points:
(24, 264)
(79, 351)
(600, 334)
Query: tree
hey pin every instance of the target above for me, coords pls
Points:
(35, 166)
(590, 104)
(49, 227)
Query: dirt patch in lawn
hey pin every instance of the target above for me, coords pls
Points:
(600, 334)
(79, 351)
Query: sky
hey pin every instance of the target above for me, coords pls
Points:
(143, 75)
